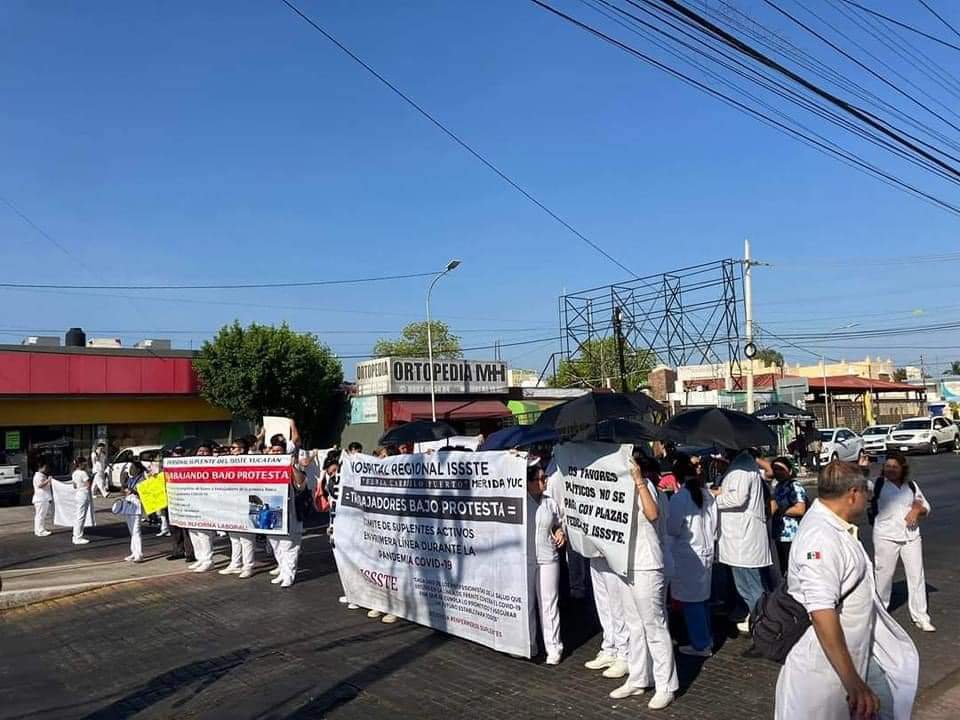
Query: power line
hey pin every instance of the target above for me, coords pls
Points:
(939, 17)
(456, 138)
(894, 21)
(225, 286)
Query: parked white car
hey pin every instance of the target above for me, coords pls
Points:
(840, 444)
(923, 434)
(11, 483)
(121, 462)
(875, 439)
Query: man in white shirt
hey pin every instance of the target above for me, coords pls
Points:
(897, 508)
(744, 541)
(42, 498)
(854, 661)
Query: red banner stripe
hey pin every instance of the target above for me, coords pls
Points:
(240, 475)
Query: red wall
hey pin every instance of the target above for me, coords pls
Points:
(42, 373)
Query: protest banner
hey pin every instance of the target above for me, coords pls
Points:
(153, 494)
(65, 505)
(597, 495)
(246, 493)
(440, 540)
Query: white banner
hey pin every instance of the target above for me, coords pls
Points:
(411, 376)
(231, 492)
(596, 495)
(441, 540)
(65, 505)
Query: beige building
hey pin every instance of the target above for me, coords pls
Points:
(871, 368)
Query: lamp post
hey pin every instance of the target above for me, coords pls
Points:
(452, 265)
(823, 366)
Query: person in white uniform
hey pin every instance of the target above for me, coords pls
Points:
(898, 506)
(643, 595)
(81, 489)
(202, 540)
(286, 548)
(692, 526)
(241, 543)
(42, 499)
(854, 661)
(744, 540)
(135, 475)
(543, 563)
(98, 465)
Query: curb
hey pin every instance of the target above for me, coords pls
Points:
(11, 599)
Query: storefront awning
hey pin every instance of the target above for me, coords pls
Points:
(407, 410)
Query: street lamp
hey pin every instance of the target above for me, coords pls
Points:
(823, 367)
(452, 265)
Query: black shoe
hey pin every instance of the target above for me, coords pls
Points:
(175, 556)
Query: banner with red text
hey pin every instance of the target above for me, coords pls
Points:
(245, 493)
(439, 539)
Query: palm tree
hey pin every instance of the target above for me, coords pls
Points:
(954, 368)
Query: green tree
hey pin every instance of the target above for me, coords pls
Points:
(413, 342)
(770, 356)
(265, 370)
(954, 368)
(900, 374)
(598, 361)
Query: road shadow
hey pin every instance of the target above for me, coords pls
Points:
(899, 594)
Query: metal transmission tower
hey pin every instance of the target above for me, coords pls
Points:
(688, 316)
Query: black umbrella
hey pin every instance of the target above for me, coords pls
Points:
(417, 431)
(782, 411)
(718, 426)
(587, 410)
(619, 430)
(189, 443)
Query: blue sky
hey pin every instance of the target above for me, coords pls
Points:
(230, 142)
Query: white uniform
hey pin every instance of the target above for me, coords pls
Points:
(81, 488)
(643, 595)
(241, 550)
(608, 598)
(133, 525)
(827, 563)
(892, 539)
(744, 541)
(693, 532)
(202, 541)
(286, 548)
(42, 498)
(543, 567)
(98, 465)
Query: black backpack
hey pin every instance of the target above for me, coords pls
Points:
(874, 507)
(777, 622)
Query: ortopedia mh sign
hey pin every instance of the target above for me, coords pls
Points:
(411, 376)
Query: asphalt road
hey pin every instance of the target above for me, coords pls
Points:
(204, 646)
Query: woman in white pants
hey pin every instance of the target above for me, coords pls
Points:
(81, 489)
(615, 644)
(42, 498)
(286, 548)
(543, 564)
(651, 648)
(202, 540)
(241, 543)
(898, 505)
(135, 475)
(98, 465)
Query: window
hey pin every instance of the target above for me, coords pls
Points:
(939, 424)
(124, 457)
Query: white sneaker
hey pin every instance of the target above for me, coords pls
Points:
(389, 619)
(275, 571)
(600, 662)
(691, 650)
(277, 580)
(342, 599)
(926, 626)
(660, 700)
(138, 559)
(373, 614)
(351, 606)
(230, 570)
(626, 690)
(553, 659)
(286, 583)
(203, 567)
(244, 574)
(128, 558)
(194, 565)
(80, 541)
(163, 533)
(618, 669)
(744, 626)
(44, 533)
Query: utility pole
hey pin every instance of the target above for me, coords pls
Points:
(748, 312)
(618, 331)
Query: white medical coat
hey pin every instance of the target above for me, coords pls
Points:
(827, 563)
(744, 540)
(893, 504)
(693, 534)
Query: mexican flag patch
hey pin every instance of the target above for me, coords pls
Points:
(815, 555)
